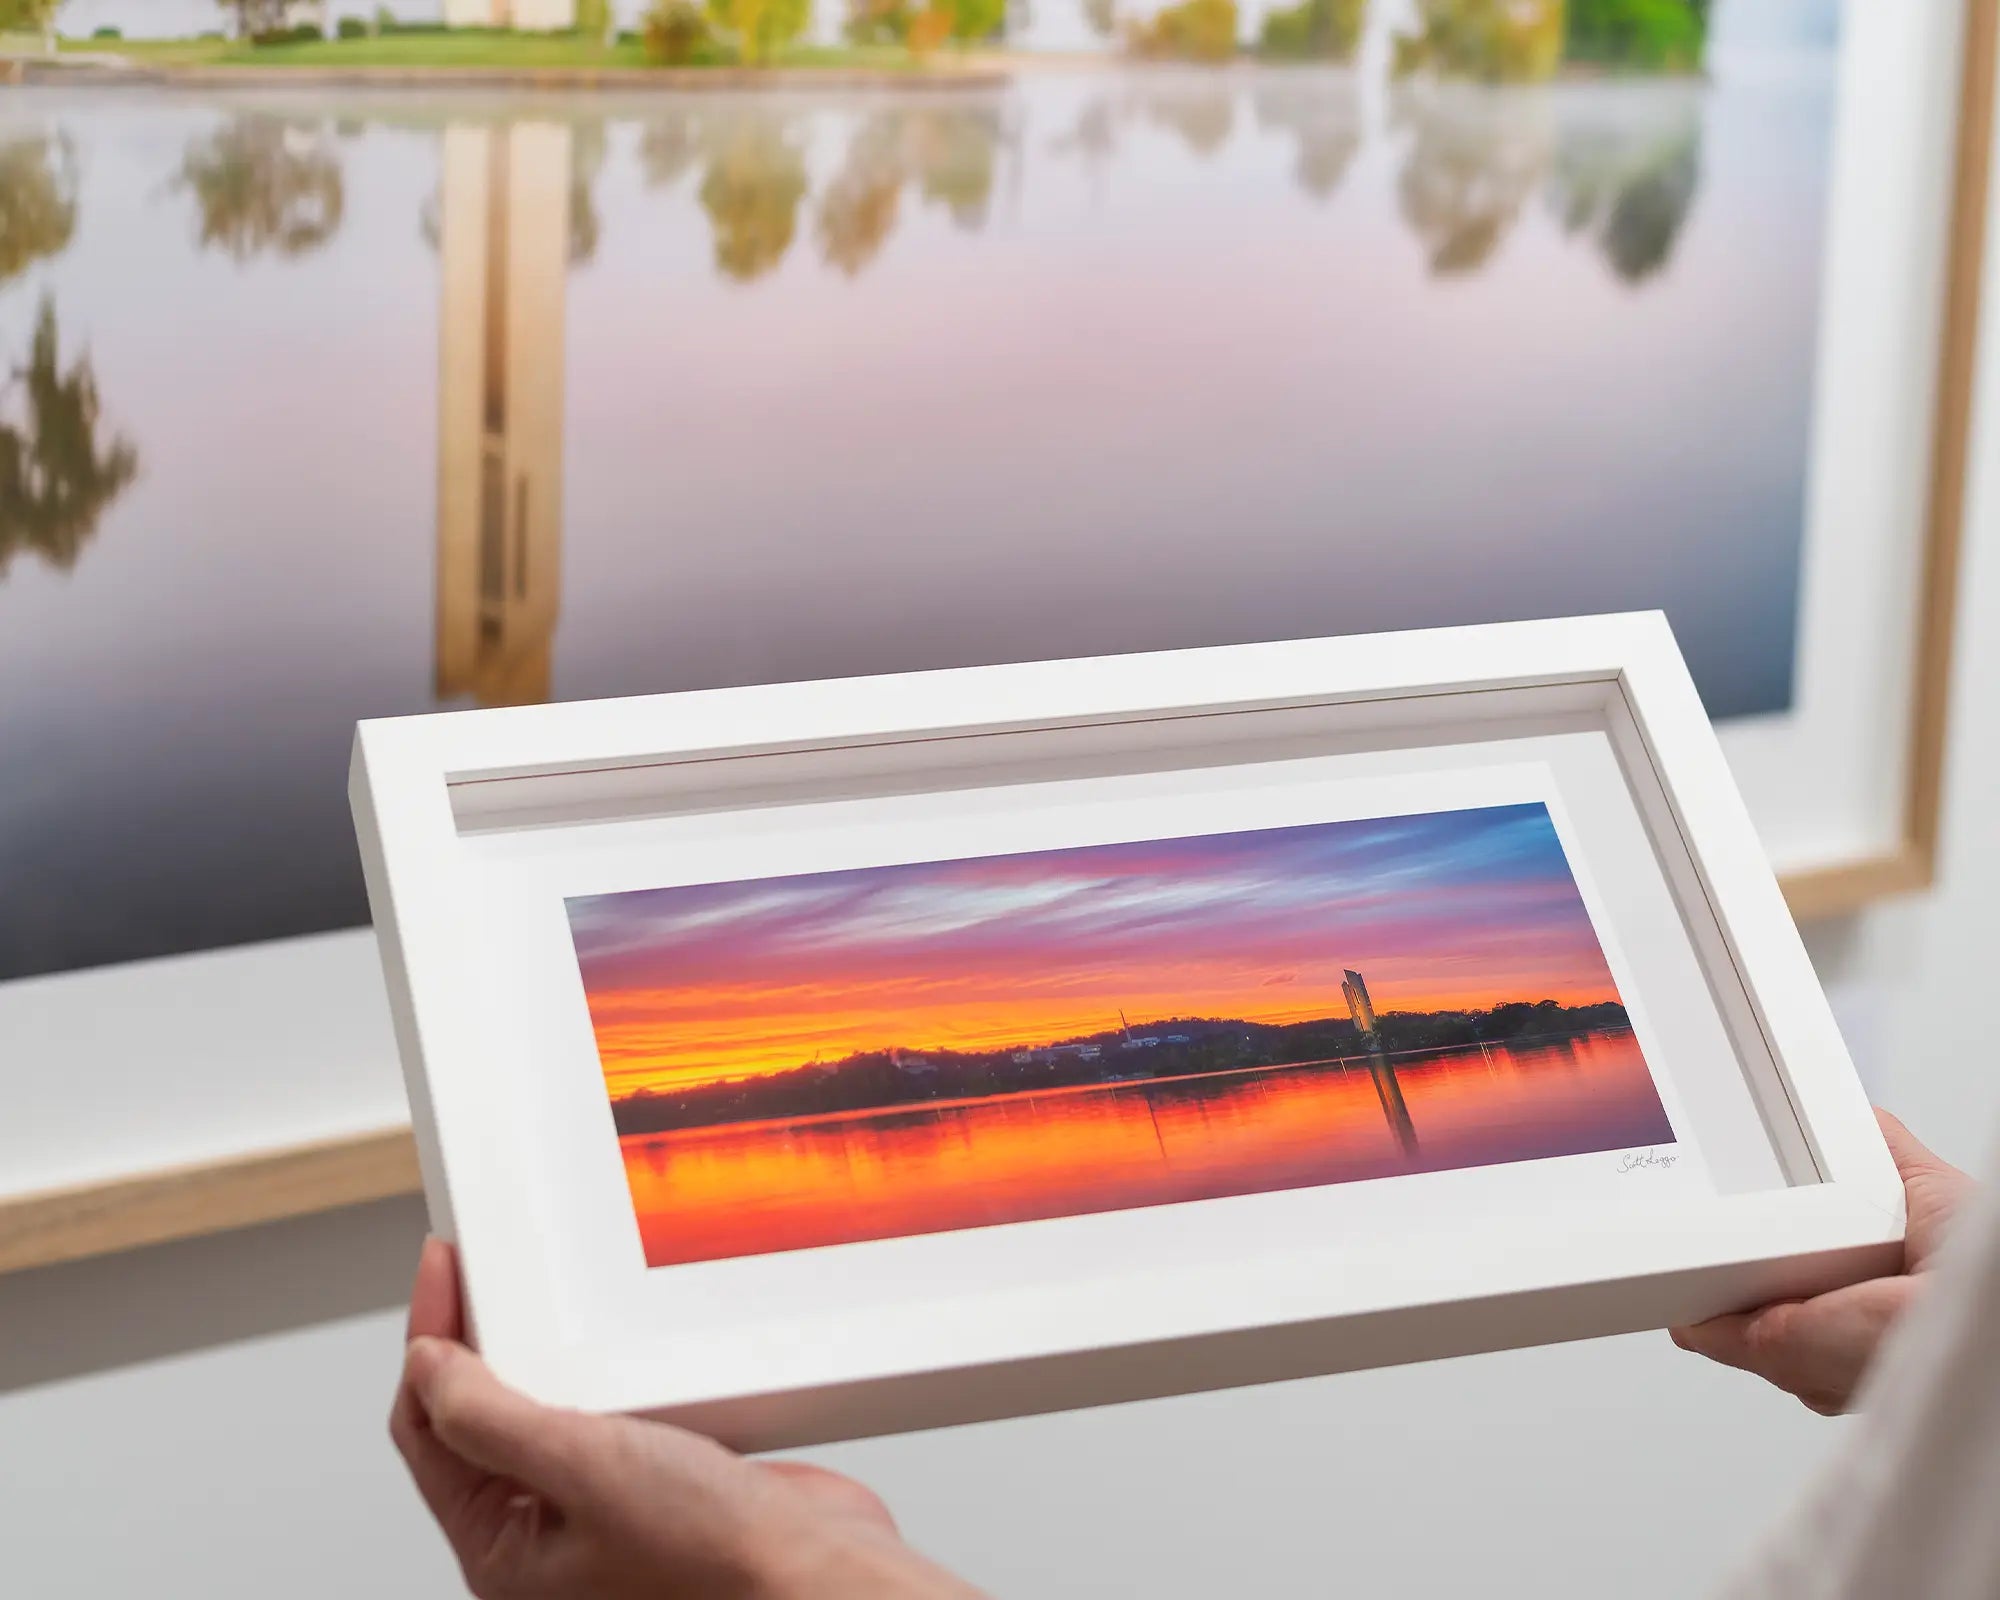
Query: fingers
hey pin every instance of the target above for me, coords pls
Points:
(491, 1521)
(1721, 1339)
(493, 1525)
(1815, 1349)
(436, 1310)
(562, 1455)
(1912, 1156)
(446, 1483)
(1934, 1191)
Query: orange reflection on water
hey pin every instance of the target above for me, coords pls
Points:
(749, 1189)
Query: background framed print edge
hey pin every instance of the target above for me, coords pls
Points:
(1911, 865)
(154, 1205)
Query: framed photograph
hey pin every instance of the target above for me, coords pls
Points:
(666, 387)
(819, 1060)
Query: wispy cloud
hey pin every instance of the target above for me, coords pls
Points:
(1448, 909)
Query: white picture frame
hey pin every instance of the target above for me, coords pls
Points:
(474, 826)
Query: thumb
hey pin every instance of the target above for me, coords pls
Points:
(478, 1418)
(1815, 1349)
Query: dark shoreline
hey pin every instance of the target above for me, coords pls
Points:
(631, 1114)
(1358, 1062)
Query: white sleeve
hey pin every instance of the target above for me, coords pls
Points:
(1911, 1506)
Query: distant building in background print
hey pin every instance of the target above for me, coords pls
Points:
(503, 232)
(1358, 1006)
(546, 15)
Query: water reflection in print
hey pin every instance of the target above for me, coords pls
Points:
(1395, 1109)
(264, 183)
(38, 198)
(1325, 121)
(481, 399)
(756, 1188)
(60, 467)
(507, 231)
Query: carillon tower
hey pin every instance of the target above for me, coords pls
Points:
(1358, 1006)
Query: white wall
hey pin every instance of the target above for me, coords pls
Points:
(206, 1419)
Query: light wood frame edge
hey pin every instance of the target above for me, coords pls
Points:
(93, 1219)
(1951, 436)
(1912, 864)
(268, 1186)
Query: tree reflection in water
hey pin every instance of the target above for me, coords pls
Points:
(950, 154)
(1323, 114)
(1320, 110)
(1618, 169)
(57, 476)
(671, 145)
(752, 161)
(1092, 139)
(1629, 187)
(1202, 112)
(264, 184)
(755, 179)
(1617, 165)
(587, 148)
(857, 213)
(1476, 157)
(38, 190)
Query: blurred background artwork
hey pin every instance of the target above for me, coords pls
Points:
(323, 402)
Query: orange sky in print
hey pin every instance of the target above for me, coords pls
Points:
(1444, 911)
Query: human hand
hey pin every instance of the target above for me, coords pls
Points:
(1817, 1349)
(539, 1503)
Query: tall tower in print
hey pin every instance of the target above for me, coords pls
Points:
(1358, 1005)
(503, 243)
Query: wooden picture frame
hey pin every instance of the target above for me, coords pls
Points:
(1912, 865)
(299, 1171)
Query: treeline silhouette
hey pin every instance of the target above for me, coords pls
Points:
(1174, 1047)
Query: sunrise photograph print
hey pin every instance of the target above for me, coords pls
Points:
(843, 1056)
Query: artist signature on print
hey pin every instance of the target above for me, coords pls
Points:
(1638, 1160)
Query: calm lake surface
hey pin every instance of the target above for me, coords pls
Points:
(753, 1189)
(369, 404)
